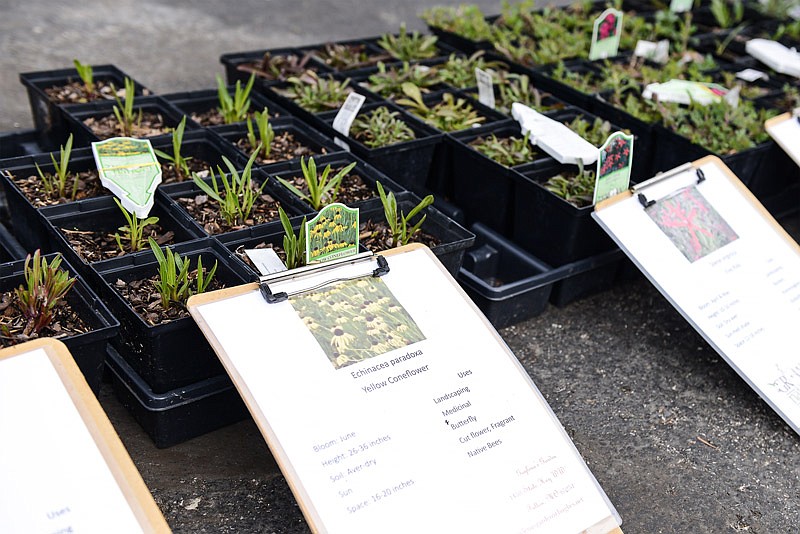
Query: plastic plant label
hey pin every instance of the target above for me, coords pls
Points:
(613, 166)
(732, 97)
(680, 6)
(347, 114)
(129, 168)
(332, 234)
(554, 137)
(794, 12)
(606, 34)
(485, 87)
(685, 92)
(785, 130)
(775, 55)
(657, 52)
(266, 260)
(752, 75)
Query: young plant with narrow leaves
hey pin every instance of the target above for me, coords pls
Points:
(575, 188)
(508, 151)
(459, 71)
(133, 232)
(315, 94)
(465, 20)
(388, 81)
(86, 74)
(124, 111)
(450, 114)
(45, 286)
(381, 127)
(238, 194)
(398, 221)
(294, 246)
(55, 185)
(174, 283)
(407, 46)
(180, 163)
(234, 108)
(322, 189)
(262, 135)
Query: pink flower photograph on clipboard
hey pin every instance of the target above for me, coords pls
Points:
(356, 320)
(691, 223)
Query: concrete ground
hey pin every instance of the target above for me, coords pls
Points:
(678, 441)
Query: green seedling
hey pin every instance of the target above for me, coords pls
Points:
(595, 132)
(237, 196)
(727, 13)
(294, 246)
(465, 20)
(124, 111)
(45, 286)
(180, 163)
(174, 280)
(316, 94)
(381, 127)
(398, 221)
(320, 187)
(234, 108)
(388, 81)
(86, 75)
(262, 135)
(133, 232)
(407, 46)
(449, 115)
(577, 189)
(347, 56)
(459, 71)
(508, 151)
(55, 185)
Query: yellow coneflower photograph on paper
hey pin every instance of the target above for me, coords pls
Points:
(356, 320)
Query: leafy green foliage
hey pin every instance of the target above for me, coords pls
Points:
(180, 163)
(316, 94)
(407, 46)
(263, 135)
(727, 12)
(398, 221)
(55, 185)
(466, 20)
(45, 285)
(294, 246)
(238, 193)
(459, 71)
(596, 132)
(86, 74)
(577, 188)
(124, 111)
(174, 283)
(449, 114)
(133, 232)
(381, 127)
(320, 187)
(342, 56)
(234, 108)
(388, 81)
(508, 151)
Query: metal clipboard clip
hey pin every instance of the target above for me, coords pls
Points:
(644, 201)
(315, 270)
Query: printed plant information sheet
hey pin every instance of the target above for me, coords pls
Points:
(55, 478)
(726, 265)
(392, 406)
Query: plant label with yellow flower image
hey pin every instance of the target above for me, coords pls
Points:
(129, 168)
(613, 166)
(606, 34)
(332, 234)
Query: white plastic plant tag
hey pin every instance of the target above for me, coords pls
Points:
(266, 260)
(657, 52)
(347, 114)
(785, 130)
(606, 34)
(794, 12)
(775, 55)
(732, 97)
(614, 166)
(752, 75)
(685, 92)
(680, 6)
(485, 87)
(129, 168)
(554, 137)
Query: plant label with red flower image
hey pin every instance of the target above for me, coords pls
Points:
(681, 6)
(129, 168)
(613, 166)
(785, 130)
(485, 87)
(345, 117)
(606, 34)
(332, 234)
(685, 92)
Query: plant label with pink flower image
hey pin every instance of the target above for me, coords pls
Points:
(345, 117)
(606, 34)
(332, 234)
(129, 168)
(613, 166)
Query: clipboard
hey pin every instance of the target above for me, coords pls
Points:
(45, 486)
(367, 467)
(718, 256)
(785, 130)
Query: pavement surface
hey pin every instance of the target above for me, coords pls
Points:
(675, 437)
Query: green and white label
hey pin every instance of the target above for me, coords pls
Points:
(613, 166)
(680, 6)
(129, 168)
(606, 34)
(332, 234)
(685, 92)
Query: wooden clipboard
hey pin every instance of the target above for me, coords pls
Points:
(730, 326)
(785, 130)
(265, 416)
(113, 456)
